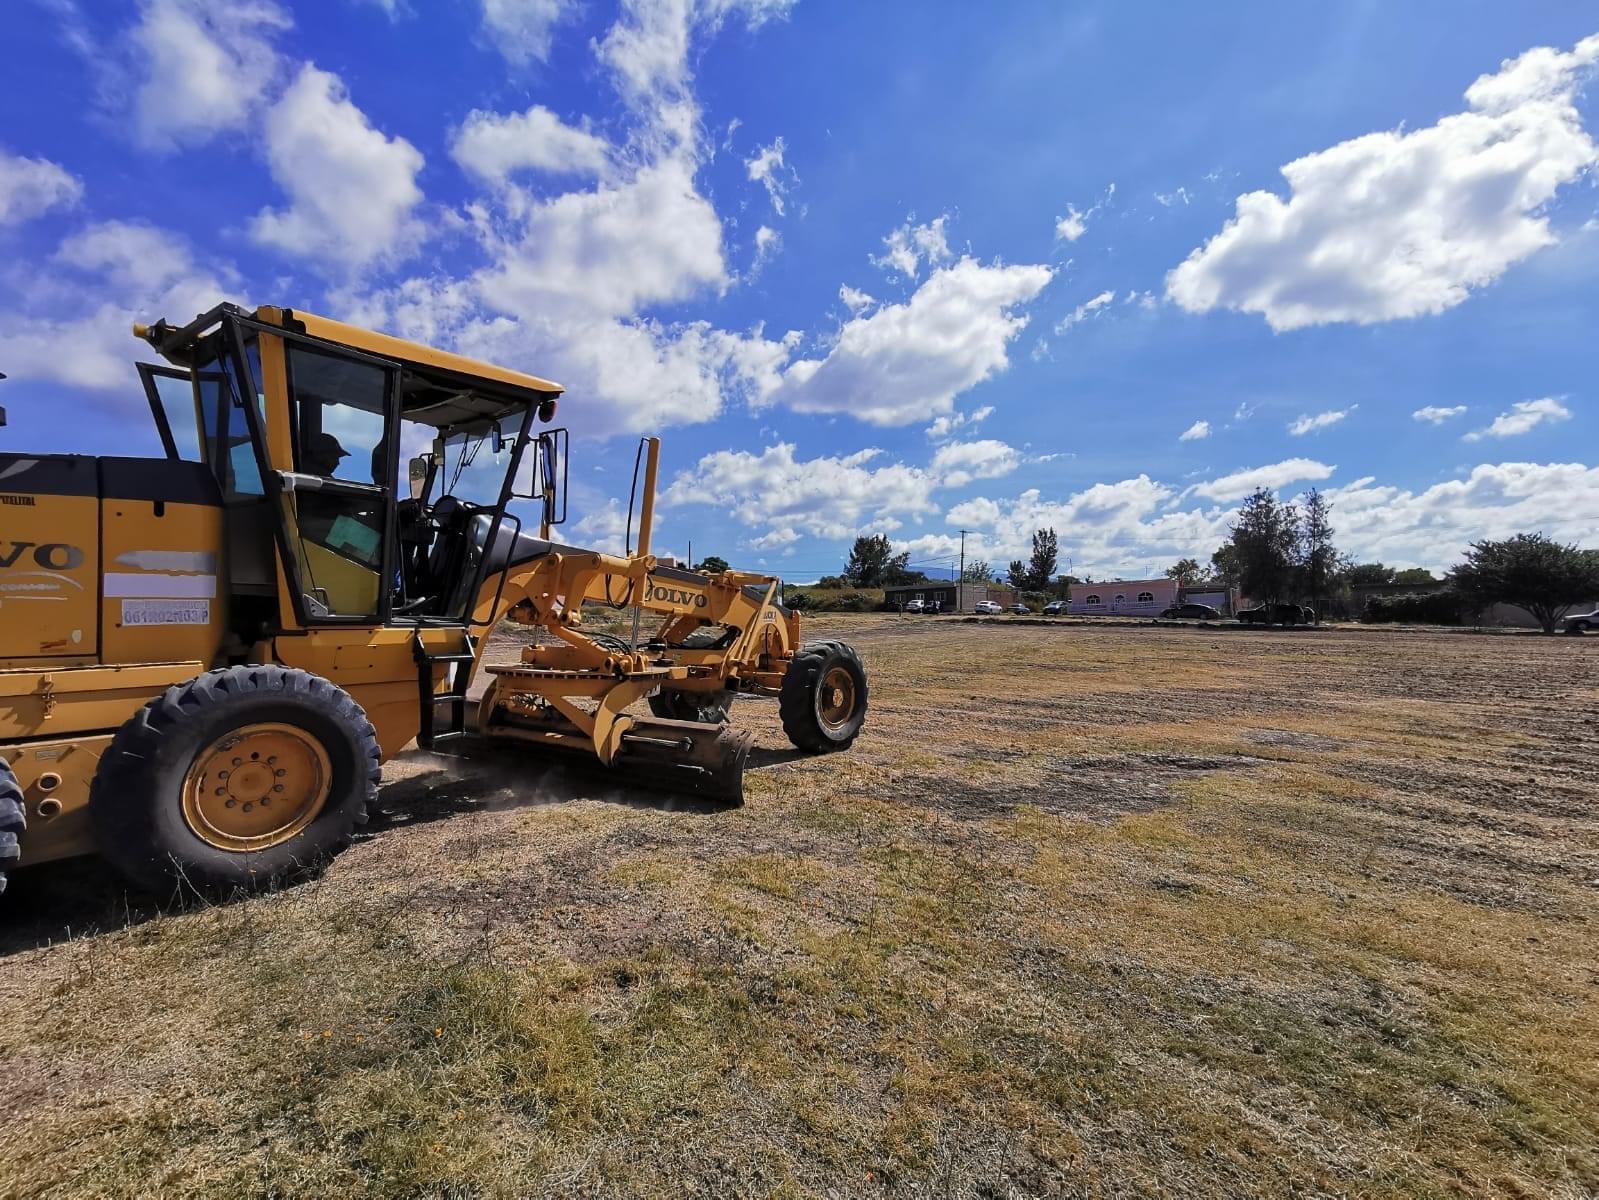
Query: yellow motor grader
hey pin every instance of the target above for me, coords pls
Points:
(205, 657)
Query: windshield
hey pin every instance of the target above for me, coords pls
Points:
(472, 464)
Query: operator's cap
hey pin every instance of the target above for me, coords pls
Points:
(325, 444)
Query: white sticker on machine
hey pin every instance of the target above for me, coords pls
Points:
(166, 612)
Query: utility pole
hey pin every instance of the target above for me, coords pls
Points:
(689, 565)
(961, 578)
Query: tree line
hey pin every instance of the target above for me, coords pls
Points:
(1278, 552)
(1285, 552)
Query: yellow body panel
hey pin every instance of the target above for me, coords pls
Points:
(375, 664)
(55, 778)
(162, 566)
(49, 575)
(54, 701)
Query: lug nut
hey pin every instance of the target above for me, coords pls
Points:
(231, 802)
(279, 773)
(238, 762)
(248, 807)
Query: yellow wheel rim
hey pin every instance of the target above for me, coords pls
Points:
(835, 703)
(256, 787)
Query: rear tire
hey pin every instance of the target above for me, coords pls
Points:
(166, 815)
(824, 697)
(1577, 628)
(13, 820)
(708, 708)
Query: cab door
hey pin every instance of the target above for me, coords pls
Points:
(338, 498)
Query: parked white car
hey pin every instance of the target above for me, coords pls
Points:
(988, 608)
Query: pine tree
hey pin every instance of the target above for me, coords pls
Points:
(1318, 557)
(1041, 568)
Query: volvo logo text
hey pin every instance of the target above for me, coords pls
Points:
(675, 595)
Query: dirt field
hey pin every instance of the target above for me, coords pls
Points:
(1086, 911)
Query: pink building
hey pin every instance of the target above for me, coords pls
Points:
(1124, 597)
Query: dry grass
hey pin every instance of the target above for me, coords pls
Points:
(1086, 911)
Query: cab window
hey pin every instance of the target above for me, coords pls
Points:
(337, 411)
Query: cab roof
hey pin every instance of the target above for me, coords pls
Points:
(436, 387)
(455, 389)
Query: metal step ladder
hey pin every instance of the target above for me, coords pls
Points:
(457, 675)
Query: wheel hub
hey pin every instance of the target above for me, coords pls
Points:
(256, 787)
(836, 698)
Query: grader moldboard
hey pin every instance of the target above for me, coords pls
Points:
(205, 658)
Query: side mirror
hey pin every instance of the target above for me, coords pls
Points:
(420, 472)
(541, 474)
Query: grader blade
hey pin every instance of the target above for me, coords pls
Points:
(686, 756)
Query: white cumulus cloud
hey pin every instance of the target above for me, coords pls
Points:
(854, 299)
(352, 189)
(909, 246)
(31, 187)
(829, 496)
(1435, 414)
(1084, 310)
(958, 463)
(767, 168)
(1239, 484)
(134, 272)
(521, 29)
(1524, 416)
(1198, 431)
(947, 424)
(1075, 223)
(1433, 527)
(1307, 423)
(494, 146)
(907, 362)
(1400, 224)
(201, 68)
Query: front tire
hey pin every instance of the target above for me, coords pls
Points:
(1577, 628)
(823, 698)
(240, 778)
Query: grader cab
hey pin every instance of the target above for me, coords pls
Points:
(206, 657)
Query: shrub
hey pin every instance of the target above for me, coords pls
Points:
(1424, 608)
(798, 600)
(853, 602)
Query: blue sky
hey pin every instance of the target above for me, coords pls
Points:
(910, 268)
